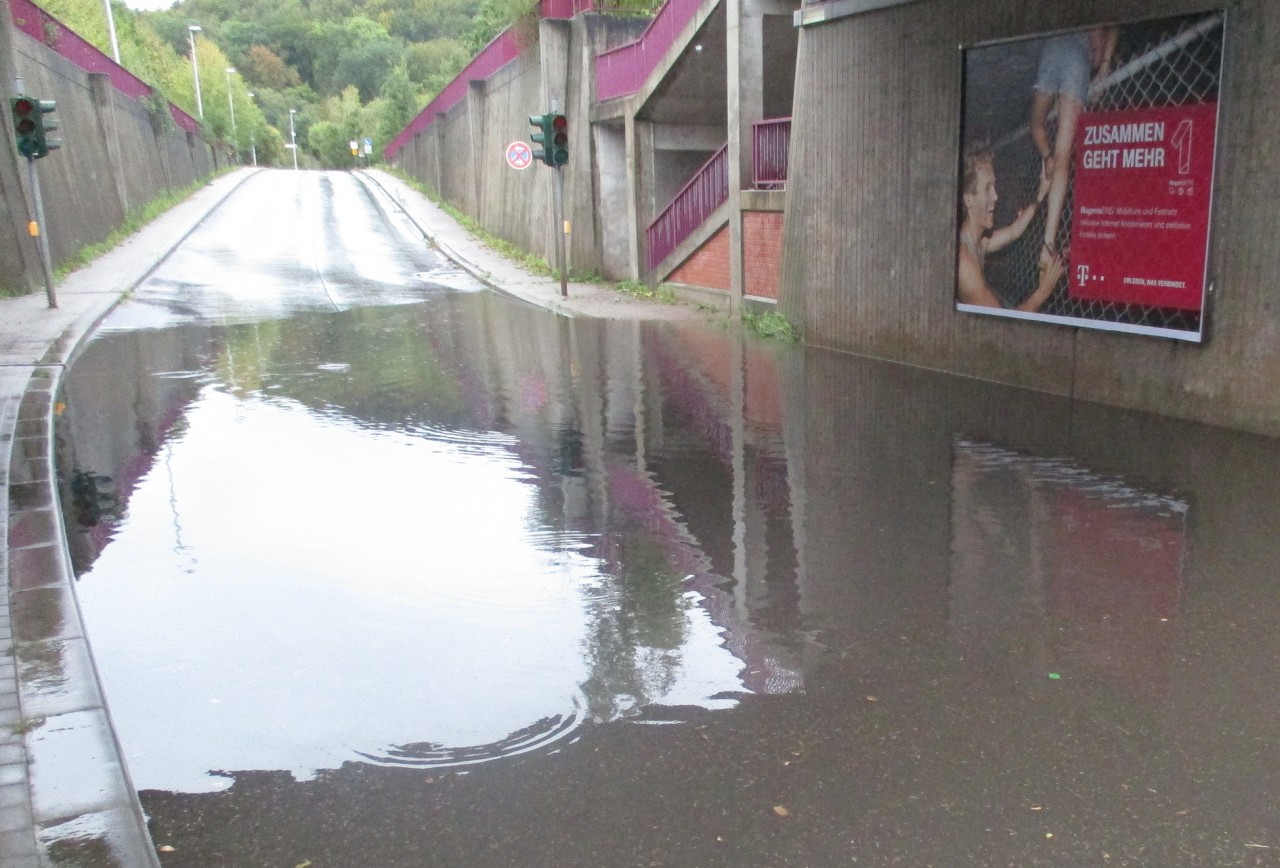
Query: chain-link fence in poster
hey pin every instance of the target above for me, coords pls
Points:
(1086, 176)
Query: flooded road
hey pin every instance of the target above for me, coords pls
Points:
(381, 569)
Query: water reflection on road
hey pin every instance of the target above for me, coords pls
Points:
(878, 612)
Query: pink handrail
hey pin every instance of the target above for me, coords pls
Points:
(770, 146)
(706, 191)
(623, 70)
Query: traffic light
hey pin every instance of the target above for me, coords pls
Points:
(553, 135)
(559, 141)
(541, 137)
(32, 127)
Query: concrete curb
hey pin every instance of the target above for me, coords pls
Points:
(64, 785)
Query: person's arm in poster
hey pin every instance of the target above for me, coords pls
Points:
(973, 288)
(1006, 235)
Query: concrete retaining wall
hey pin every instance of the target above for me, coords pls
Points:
(870, 228)
(462, 155)
(115, 158)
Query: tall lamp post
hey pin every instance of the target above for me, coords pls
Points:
(253, 144)
(111, 28)
(192, 30)
(293, 138)
(235, 136)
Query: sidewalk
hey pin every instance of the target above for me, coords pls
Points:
(65, 793)
(505, 276)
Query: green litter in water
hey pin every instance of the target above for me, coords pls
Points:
(1055, 676)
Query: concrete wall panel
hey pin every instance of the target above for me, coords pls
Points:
(77, 182)
(870, 220)
(113, 159)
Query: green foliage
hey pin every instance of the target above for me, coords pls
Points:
(303, 55)
(400, 103)
(492, 18)
(770, 325)
(662, 292)
(433, 64)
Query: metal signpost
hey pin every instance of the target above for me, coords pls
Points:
(553, 135)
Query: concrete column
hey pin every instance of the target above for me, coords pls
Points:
(105, 109)
(640, 183)
(437, 133)
(744, 43)
(632, 159)
(553, 54)
(476, 93)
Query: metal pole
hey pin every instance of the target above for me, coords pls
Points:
(111, 28)
(235, 136)
(253, 139)
(42, 242)
(192, 29)
(558, 187)
(293, 139)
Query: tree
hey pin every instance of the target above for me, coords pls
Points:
(358, 51)
(400, 103)
(434, 64)
(264, 68)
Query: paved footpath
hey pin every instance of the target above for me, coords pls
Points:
(65, 793)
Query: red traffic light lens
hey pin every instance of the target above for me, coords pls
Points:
(559, 122)
(24, 107)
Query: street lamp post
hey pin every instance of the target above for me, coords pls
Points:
(253, 144)
(293, 138)
(235, 136)
(192, 30)
(111, 29)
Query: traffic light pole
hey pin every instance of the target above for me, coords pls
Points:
(558, 186)
(38, 230)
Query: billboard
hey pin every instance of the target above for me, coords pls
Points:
(1086, 176)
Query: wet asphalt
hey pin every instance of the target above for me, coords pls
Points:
(65, 794)
(975, 625)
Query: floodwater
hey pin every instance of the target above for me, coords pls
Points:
(385, 570)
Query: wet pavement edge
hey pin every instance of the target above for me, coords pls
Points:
(65, 793)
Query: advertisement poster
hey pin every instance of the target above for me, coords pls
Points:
(1086, 176)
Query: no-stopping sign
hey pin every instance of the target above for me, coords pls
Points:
(519, 155)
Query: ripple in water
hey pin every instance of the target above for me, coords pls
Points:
(539, 735)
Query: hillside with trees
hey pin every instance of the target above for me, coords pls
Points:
(351, 70)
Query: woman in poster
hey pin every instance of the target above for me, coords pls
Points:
(978, 235)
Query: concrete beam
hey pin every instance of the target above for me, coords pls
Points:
(687, 137)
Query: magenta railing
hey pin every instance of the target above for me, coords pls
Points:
(43, 27)
(623, 70)
(705, 192)
(501, 50)
(770, 144)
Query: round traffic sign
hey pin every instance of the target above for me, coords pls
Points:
(519, 155)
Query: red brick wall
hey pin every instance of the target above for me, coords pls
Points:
(762, 254)
(708, 266)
